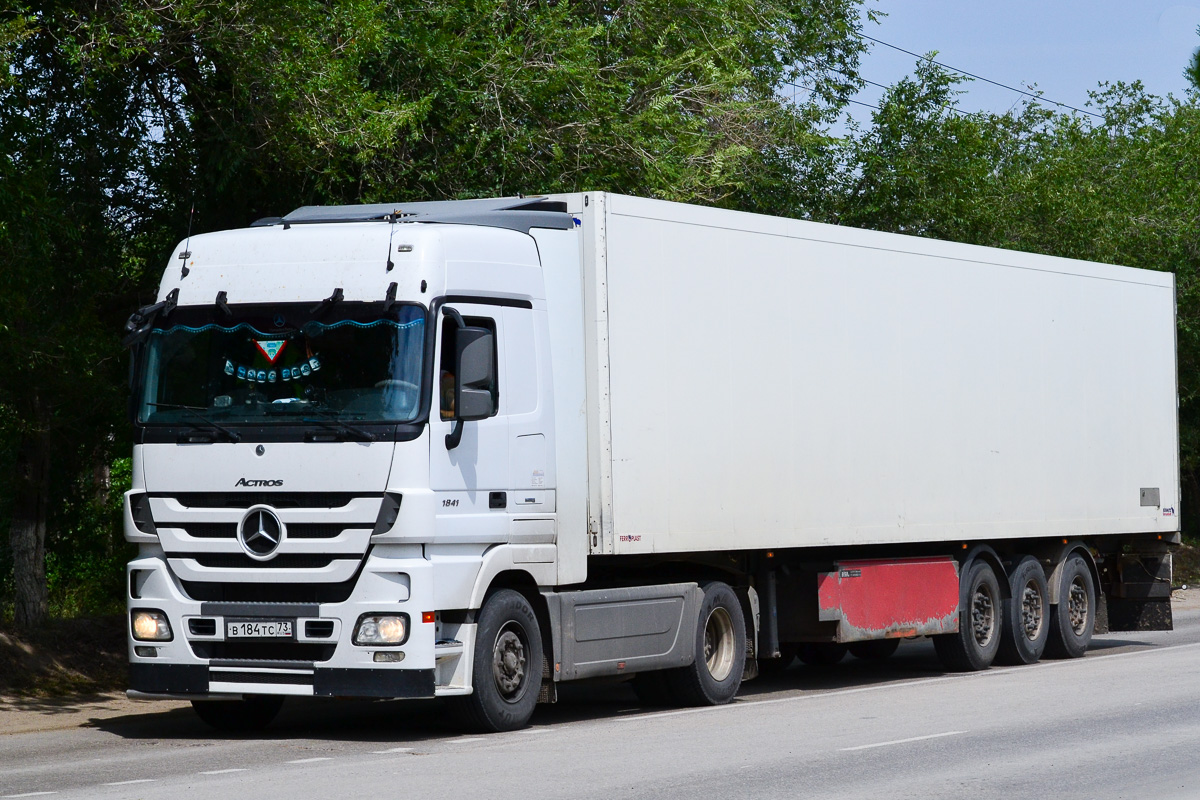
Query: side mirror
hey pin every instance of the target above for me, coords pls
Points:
(475, 369)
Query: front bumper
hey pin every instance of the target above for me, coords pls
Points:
(182, 680)
(203, 663)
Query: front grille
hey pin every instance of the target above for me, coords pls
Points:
(242, 561)
(264, 651)
(262, 677)
(228, 530)
(273, 499)
(209, 530)
(268, 592)
(316, 530)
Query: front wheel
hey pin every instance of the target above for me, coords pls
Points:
(714, 676)
(507, 666)
(239, 716)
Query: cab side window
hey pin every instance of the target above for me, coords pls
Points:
(446, 377)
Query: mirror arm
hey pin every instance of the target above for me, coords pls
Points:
(455, 435)
(453, 313)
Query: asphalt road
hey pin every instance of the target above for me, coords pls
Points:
(1123, 722)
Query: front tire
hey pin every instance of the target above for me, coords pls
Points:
(715, 675)
(239, 716)
(1073, 620)
(507, 666)
(980, 620)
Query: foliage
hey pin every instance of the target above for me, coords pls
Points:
(1123, 189)
(117, 118)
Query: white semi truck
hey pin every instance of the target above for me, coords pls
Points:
(473, 449)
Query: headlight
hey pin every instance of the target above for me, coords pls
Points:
(377, 629)
(150, 626)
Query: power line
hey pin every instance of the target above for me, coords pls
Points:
(981, 78)
(951, 109)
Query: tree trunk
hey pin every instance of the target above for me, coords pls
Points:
(28, 532)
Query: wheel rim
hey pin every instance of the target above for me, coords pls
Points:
(1032, 616)
(718, 644)
(983, 616)
(508, 661)
(1077, 607)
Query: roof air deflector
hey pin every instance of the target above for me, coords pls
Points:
(513, 213)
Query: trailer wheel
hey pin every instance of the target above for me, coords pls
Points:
(507, 667)
(1073, 620)
(715, 675)
(821, 654)
(1026, 617)
(874, 650)
(239, 716)
(980, 620)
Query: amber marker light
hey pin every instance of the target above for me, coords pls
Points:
(427, 616)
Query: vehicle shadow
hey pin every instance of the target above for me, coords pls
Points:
(410, 723)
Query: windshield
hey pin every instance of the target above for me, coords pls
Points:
(282, 366)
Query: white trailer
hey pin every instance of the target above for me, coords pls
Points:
(473, 449)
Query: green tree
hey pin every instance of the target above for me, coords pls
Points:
(116, 117)
(1120, 189)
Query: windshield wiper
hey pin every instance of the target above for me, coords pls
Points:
(331, 416)
(233, 435)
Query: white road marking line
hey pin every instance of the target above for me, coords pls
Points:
(393, 750)
(129, 783)
(963, 676)
(467, 740)
(902, 741)
(225, 771)
(29, 794)
(310, 760)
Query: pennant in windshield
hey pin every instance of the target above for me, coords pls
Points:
(271, 349)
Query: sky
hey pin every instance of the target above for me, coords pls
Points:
(1065, 47)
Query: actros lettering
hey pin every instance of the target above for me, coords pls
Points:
(253, 482)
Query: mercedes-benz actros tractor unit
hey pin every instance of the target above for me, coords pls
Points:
(470, 450)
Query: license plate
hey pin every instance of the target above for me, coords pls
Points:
(259, 629)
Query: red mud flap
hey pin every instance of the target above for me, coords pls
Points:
(887, 599)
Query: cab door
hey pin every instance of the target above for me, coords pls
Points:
(470, 481)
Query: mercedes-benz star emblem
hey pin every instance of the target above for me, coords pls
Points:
(260, 533)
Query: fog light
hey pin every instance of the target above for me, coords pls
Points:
(146, 652)
(381, 629)
(151, 626)
(394, 657)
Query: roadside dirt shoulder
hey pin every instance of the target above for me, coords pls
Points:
(40, 714)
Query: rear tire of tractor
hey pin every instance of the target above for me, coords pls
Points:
(1073, 620)
(715, 675)
(507, 666)
(980, 621)
(239, 716)
(1026, 614)
(875, 649)
(821, 654)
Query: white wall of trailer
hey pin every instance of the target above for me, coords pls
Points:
(771, 383)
